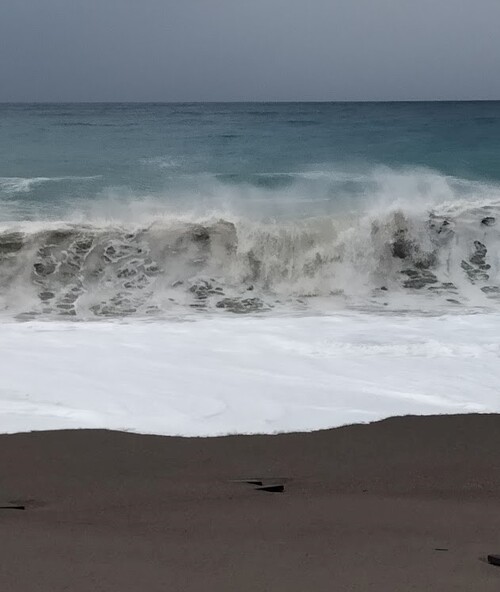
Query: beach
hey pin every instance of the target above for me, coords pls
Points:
(249, 346)
(407, 503)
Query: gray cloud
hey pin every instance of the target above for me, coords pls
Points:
(196, 50)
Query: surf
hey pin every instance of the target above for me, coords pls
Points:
(436, 259)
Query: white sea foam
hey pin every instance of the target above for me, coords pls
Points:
(245, 375)
(13, 185)
(161, 162)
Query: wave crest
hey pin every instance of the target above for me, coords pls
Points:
(446, 257)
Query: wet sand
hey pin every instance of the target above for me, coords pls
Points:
(404, 504)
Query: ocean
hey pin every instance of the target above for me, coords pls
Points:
(200, 269)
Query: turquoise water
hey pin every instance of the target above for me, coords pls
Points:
(69, 154)
(151, 209)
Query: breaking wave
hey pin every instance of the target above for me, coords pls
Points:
(443, 257)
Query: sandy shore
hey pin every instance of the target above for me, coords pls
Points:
(364, 508)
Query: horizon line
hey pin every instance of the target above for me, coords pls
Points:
(201, 102)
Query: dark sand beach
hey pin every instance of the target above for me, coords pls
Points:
(404, 504)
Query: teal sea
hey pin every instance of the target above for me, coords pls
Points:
(113, 210)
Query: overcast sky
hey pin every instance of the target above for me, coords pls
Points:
(210, 50)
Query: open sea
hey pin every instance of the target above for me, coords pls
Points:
(200, 269)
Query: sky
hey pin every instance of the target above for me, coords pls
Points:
(252, 50)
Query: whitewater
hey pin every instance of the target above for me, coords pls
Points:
(209, 377)
(218, 283)
(197, 327)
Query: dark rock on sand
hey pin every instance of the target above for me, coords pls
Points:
(12, 507)
(279, 488)
(248, 481)
(494, 560)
